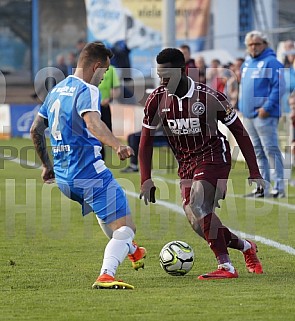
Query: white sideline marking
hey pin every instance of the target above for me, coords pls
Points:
(261, 200)
(178, 209)
(286, 248)
(21, 162)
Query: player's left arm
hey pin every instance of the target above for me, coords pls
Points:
(37, 132)
(234, 124)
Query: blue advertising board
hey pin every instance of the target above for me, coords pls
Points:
(22, 117)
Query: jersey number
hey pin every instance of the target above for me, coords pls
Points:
(55, 132)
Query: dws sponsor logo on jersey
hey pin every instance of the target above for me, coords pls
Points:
(184, 126)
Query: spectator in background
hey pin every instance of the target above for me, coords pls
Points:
(71, 63)
(226, 72)
(214, 76)
(121, 59)
(292, 114)
(80, 44)
(61, 64)
(56, 74)
(289, 75)
(262, 86)
(289, 45)
(189, 61)
(201, 66)
(292, 118)
(109, 90)
(234, 81)
(237, 67)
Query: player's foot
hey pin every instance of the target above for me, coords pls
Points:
(137, 258)
(277, 194)
(106, 281)
(130, 169)
(253, 264)
(222, 272)
(257, 192)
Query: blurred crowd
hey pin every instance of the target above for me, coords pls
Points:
(225, 78)
(222, 77)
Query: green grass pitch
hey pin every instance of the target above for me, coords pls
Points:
(51, 255)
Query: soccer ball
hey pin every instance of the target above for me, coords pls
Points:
(177, 258)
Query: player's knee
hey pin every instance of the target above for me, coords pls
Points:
(199, 206)
(123, 233)
(193, 220)
(199, 209)
(201, 199)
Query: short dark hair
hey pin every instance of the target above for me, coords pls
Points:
(185, 46)
(171, 55)
(93, 51)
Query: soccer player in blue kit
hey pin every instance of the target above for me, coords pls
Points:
(72, 113)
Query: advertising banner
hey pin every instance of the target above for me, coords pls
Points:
(22, 117)
(4, 121)
(139, 25)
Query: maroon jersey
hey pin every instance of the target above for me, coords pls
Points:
(191, 125)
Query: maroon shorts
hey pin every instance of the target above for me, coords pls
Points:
(215, 174)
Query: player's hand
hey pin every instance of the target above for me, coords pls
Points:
(124, 152)
(48, 175)
(260, 182)
(147, 192)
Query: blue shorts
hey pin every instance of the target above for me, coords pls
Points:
(102, 195)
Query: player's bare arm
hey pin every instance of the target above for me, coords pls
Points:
(99, 130)
(147, 189)
(37, 134)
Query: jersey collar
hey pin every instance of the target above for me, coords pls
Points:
(190, 92)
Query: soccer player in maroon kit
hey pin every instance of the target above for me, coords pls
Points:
(189, 112)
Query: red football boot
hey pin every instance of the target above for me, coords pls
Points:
(221, 273)
(253, 264)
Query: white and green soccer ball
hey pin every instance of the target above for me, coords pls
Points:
(177, 258)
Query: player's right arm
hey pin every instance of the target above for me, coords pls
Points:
(145, 154)
(100, 130)
(37, 134)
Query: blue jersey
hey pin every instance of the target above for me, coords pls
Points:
(76, 152)
(262, 85)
